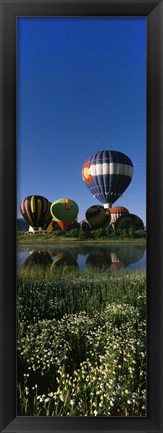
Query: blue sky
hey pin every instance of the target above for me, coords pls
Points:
(81, 87)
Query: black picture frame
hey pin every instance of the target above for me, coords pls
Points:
(153, 10)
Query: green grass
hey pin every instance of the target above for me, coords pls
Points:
(81, 343)
(83, 238)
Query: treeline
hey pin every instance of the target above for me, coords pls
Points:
(101, 233)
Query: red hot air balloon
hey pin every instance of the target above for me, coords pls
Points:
(36, 211)
(116, 212)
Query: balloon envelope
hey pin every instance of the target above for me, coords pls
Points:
(96, 216)
(129, 221)
(116, 212)
(65, 210)
(85, 226)
(107, 174)
(55, 225)
(74, 225)
(36, 210)
(64, 225)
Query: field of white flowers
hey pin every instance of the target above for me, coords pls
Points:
(81, 343)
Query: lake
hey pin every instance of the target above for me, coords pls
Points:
(110, 257)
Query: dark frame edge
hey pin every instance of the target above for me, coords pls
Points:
(153, 423)
(155, 189)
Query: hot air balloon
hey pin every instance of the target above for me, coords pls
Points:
(55, 225)
(36, 211)
(96, 216)
(74, 225)
(129, 221)
(49, 228)
(64, 211)
(64, 225)
(48, 218)
(107, 174)
(67, 225)
(116, 212)
(85, 226)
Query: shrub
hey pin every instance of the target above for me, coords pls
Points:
(99, 233)
(59, 233)
(131, 232)
(124, 234)
(83, 235)
(110, 231)
(140, 234)
(73, 233)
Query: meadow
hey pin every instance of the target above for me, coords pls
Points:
(81, 342)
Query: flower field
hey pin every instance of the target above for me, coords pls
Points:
(81, 343)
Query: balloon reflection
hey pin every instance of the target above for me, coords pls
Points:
(64, 258)
(38, 258)
(112, 257)
(116, 263)
(99, 260)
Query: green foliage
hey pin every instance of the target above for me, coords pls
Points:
(123, 234)
(131, 233)
(84, 235)
(59, 233)
(110, 232)
(73, 233)
(140, 234)
(81, 343)
(85, 365)
(99, 233)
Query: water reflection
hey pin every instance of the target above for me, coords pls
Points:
(99, 260)
(64, 258)
(41, 258)
(110, 257)
(116, 263)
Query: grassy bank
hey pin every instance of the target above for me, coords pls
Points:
(31, 239)
(81, 343)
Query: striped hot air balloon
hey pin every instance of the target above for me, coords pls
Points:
(116, 212)
(36, 211)
(107, 174)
